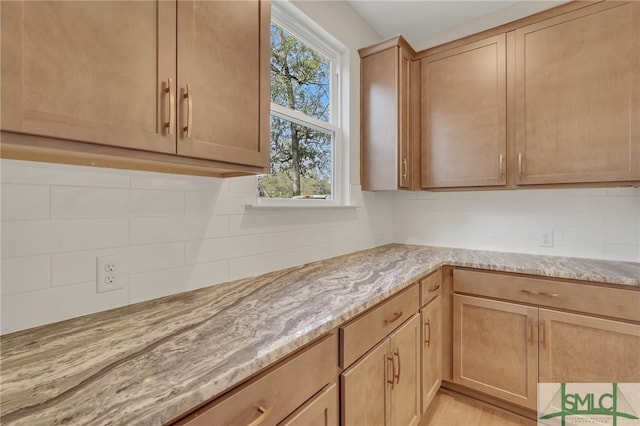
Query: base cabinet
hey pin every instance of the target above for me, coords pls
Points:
(495, 348)
(382, 387)
(430, 316)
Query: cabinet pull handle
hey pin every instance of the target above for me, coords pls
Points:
(404, 169)
(501, 160)
(265, 413)
(539, 293)
(530, 324)
(428, 340)
(393, 371)
(394, 319)
(172, 106)
(189, 97)
(520, 171)
(434, 288)
(397, 376)
(543, 338)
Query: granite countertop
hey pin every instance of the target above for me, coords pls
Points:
(150, 362)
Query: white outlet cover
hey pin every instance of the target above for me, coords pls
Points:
(546, 238)
(109, 272)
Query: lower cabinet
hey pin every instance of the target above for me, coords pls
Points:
(382, 387)
(300, 390)
(431, 351)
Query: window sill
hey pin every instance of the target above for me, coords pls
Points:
(298, 206)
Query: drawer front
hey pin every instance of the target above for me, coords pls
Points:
(430, 287)
(274, 396)
(361, 334)
(593, 299)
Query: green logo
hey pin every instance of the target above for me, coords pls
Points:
(589, 407)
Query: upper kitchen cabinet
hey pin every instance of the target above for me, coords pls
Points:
(577, 110)
(389, 157)
(168, 86)
(90, 71)
(223, 69)
(463, 116)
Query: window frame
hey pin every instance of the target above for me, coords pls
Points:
(292, 20)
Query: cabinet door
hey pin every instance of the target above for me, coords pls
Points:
(464, 116)
(578, 348)
(578, 96)
(89, 71)
(223, 66)
(365, 388)
(431, 348)
(495, 348)
(404, 120)
(321, 410)
(405, 351)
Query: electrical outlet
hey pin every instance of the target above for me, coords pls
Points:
(109, 272)
(546, 238)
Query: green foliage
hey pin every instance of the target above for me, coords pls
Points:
(301, 157)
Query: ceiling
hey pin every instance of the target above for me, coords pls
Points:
(426, 23)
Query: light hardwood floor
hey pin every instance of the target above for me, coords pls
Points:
(449, 409)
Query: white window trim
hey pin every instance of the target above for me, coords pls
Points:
(290, 18)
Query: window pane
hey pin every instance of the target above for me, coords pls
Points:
(301, 162)
(299, 75)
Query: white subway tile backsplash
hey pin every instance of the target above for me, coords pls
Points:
(73, 201)
(171, 281)
(156, 203)
(156, 257)
(26, 310)
(153, 230)
(23, 238)
(24, 202)
(222, 248)
(25, 274)
(161, 181)
(626, 252)
(31, 172)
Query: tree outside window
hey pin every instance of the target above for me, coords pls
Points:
(302, 138)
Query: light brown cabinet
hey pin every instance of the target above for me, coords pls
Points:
(463, 116)
(387, 149)
(430, 316)
(495, 348)
(577, 115)
(382, 388)
(503, 349)
(187, 79)
(321, 410)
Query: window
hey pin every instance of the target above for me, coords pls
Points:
(306, 149)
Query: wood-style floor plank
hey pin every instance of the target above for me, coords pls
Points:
(448, 409)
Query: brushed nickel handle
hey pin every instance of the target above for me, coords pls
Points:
(428, 340)
(265, 413)
(434, 288)
(539, 293)
(520, 170)
(393, 371)
(543, 337)
(397, 376)
(394, 319)
(172, 106)
(530, 323)
(501, 160)
(189, 97)
(404, 169)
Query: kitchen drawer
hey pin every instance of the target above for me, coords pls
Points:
(430, 287)
(361, 334)
(593, 299)
(321, 410)
(276, 394)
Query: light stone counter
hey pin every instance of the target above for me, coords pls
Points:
(148, 363)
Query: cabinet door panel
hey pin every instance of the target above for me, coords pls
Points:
(578, 348)
(223, 54)
(464, 116)
(89, 71)
(578, 96)
(405, 349)
(495, 348)
(365, 387)
(431, 351)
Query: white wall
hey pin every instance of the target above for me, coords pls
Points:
(597, 223)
